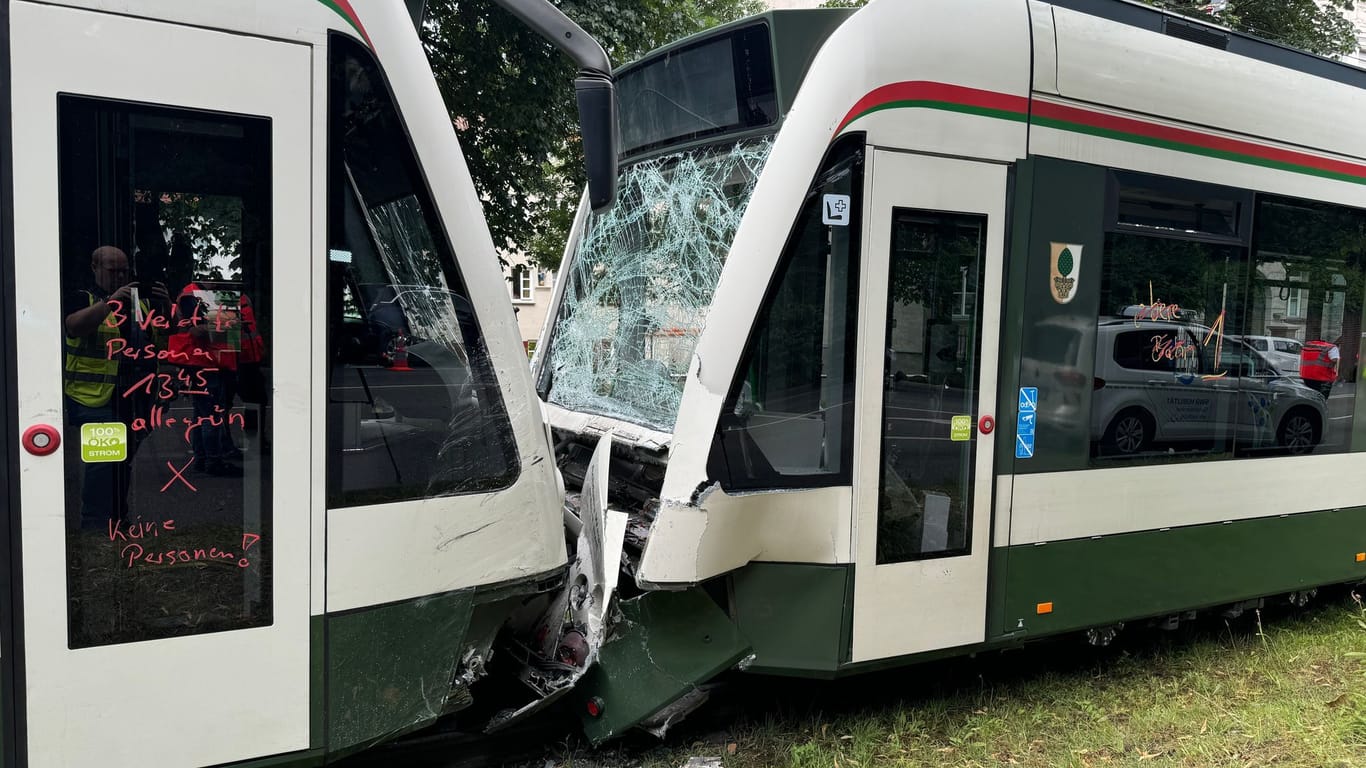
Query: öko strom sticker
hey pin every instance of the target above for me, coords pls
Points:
(1064, 267)
(104, 441)
(960, 428)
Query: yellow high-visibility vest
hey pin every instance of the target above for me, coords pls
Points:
(90, 372)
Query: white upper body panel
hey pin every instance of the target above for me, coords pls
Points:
(298, 20)
(884, 44)
(1120, 66)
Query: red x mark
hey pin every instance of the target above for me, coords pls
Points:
(176, 475)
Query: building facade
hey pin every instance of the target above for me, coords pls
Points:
(531, 288)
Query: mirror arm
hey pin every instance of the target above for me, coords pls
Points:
(549, 22)
(594, 90)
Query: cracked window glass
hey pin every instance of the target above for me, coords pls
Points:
(642, 280)
(414, 410)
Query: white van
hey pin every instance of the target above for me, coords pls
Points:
(1158, 383)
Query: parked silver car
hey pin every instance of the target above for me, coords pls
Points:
(1172, 383)
(1281, 352)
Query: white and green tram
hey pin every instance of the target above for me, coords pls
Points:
(274, 475)
(934, 327)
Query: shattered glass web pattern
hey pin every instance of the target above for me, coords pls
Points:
(642, 280)
(415, 272)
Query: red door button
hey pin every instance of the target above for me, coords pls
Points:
(41, 439)
(986, 424)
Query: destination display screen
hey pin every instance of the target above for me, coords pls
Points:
(716, 86)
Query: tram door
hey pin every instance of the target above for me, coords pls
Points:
(162, 237)
(929, 324)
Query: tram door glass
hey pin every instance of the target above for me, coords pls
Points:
(931, 363)
(166, 303)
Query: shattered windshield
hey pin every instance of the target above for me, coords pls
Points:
(641, 282)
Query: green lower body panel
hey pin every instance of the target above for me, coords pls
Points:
(1099, 581)
(666, 644)
(796, 616)
(390, 668)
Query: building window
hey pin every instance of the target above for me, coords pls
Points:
(521, 283)
(1294, 304)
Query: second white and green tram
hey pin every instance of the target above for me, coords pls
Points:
(920, 330)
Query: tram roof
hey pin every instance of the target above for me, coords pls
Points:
(1143, 16)
(809, 27)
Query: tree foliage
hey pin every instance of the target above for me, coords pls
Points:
(510, 96)
(1318, 26)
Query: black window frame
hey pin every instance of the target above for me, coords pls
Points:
(852, 145)
(340, 45)
(1117, 180)
(739, 58)
(118, 229)
(974, 443)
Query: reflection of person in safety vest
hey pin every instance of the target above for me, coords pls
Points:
(250, 358)
(210, 341)
(1319, 365)
(100, 321)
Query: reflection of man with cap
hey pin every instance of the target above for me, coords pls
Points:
(95, 378)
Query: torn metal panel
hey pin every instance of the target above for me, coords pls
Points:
(659, 723)
(563, 643)
(641, 281)
(666, 647)
(719, 532)
(602, 539)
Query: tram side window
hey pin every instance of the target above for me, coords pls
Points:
(165, 237)
(414, 410)
(1173, 276)
(788, 419)
(1230, 326)
(1306, 296)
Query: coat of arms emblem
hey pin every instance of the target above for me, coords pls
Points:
(1064, 266)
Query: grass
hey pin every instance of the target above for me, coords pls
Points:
(1273, 688)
